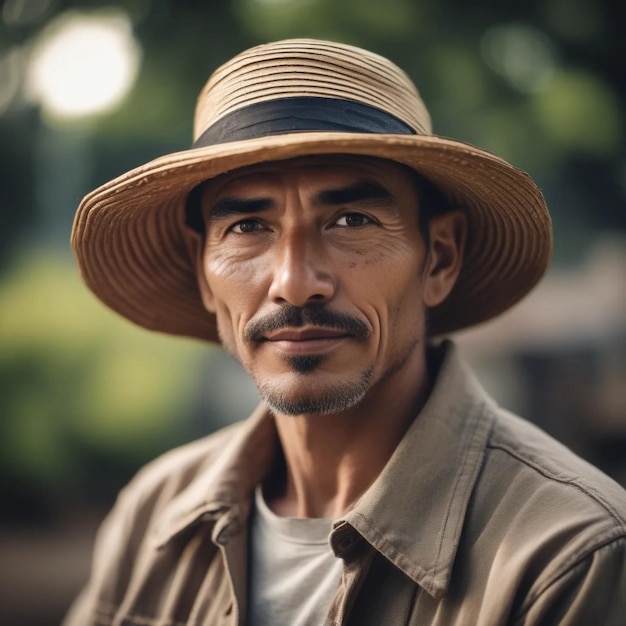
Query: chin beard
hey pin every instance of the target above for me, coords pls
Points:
(304, 364)
(337, 399)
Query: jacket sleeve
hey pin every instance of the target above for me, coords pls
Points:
(591, 591)
(96, 605)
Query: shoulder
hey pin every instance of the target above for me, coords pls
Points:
(542, 508)
(142, 504)
(545, 531)
(178, 467)
(127, 543)
(544, 470)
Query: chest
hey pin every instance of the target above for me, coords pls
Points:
(194, 583)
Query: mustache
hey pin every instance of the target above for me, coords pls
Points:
(296, 317)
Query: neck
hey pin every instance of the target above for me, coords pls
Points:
(331, 460)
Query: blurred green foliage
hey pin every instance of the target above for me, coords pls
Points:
(76, 382)
(579, 113)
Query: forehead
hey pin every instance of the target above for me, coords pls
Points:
(322, 170)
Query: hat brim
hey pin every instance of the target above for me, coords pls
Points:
(129, 244)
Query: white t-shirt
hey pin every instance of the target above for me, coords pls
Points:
(293, 572)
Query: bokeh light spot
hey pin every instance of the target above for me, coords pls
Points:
(83, 64)
(521, 54)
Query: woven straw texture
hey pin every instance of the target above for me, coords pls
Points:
(128, 234)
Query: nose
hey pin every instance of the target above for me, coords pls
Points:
(302, 271)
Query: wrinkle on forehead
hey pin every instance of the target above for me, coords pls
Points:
(345, 180)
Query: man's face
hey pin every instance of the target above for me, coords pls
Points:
(314, 268)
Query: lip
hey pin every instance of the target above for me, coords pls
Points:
(305, 340)
(305, 334)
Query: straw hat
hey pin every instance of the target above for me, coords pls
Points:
(294, 98)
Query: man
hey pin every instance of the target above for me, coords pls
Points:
(325, 237)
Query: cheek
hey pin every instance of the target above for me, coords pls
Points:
(226, 263)
(391, 278)
(236, 286)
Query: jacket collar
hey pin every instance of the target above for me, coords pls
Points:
(414, 511)
(412, 514)
(221, 491)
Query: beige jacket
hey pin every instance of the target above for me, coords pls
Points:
(478, 519)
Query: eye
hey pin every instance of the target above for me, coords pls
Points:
(353, 220)
(246, 226)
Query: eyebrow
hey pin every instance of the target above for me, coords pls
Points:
(227, 207)
(365, 192)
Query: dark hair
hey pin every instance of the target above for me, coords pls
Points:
(193, 210)
(431, 201)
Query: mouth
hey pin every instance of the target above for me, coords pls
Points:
(305, 340)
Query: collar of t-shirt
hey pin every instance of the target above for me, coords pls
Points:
(293, 571)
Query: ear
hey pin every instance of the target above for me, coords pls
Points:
(448, 233)
(194, 241)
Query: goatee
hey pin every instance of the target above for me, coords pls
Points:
(335, 399)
